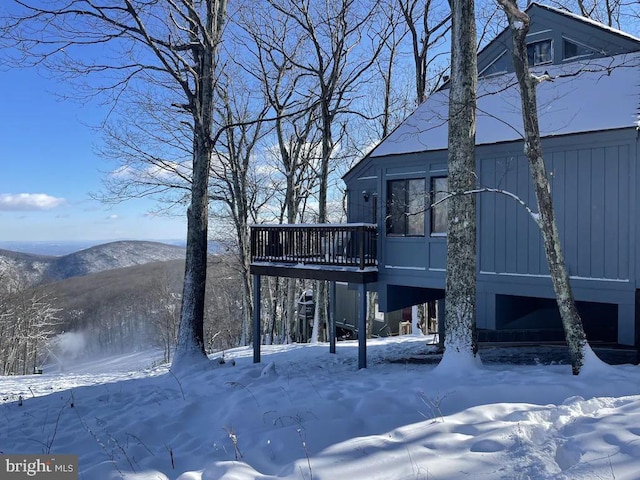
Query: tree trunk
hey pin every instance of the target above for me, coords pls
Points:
(571, 321)
(288, 324)
(320, 317)
(191, 329)
(461, 231)
(372, 300)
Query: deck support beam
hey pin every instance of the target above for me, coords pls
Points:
(362, 325)
(256, 319)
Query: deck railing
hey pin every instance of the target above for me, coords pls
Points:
(348, 245)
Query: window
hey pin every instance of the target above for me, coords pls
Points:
(374, 208)
(439, 190)
(406, 207)
(540, 53)
(496, 66)
(572, 50)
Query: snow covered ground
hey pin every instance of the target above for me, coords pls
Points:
(304, 413)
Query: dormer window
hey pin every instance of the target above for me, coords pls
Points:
(540, 53)
(574, 50)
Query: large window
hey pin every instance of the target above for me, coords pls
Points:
(539, 53)
(406, 207)
(439, 190)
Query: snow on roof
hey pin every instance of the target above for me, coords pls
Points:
(587, 20)
(595, 95)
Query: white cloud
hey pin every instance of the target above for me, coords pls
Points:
(29, 201)
(123, 172)
(165, 171)
(113, 217)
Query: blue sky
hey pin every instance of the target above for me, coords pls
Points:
(49, 169)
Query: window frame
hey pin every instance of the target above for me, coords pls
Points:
(392, 215)
(589, 51)
(434, 194)
(533, 63)
(491, 64)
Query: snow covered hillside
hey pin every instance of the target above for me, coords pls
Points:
(29, 267)
(113, 255)
(307, 414)
(109, 256)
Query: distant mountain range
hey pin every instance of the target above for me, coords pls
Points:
(123, 295)
(65, 247)
(39, 269)
(115, 289)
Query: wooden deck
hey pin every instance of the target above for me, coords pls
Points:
(338, 253)
(346, 252)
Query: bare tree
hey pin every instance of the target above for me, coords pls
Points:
(604, 11)
(172, 46)
(490, 23)
(332, 33)
(225, 300)
(27, 320)
(571, 321)
(461, 232)
(428, 24)
(388, 97)
(235, 185)
(295, 136)
(151, 150)
(165, 313)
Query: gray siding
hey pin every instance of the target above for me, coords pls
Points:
(594, 178)
(361, 208)
(591, 187)
(411, 260)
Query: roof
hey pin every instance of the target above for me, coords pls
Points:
(586, 20)
(590, 96)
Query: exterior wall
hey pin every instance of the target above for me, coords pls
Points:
(419, 258)
(362, 195)
(594, 186)
(594, 181)
(416, 260)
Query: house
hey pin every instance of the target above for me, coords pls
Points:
(589, 124)
(589, 120)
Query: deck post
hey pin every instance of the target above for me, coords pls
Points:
(332, 317)
(361, 246)
(362, 325)
(256, 319)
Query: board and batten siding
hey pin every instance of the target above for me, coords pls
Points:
(592, 193)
